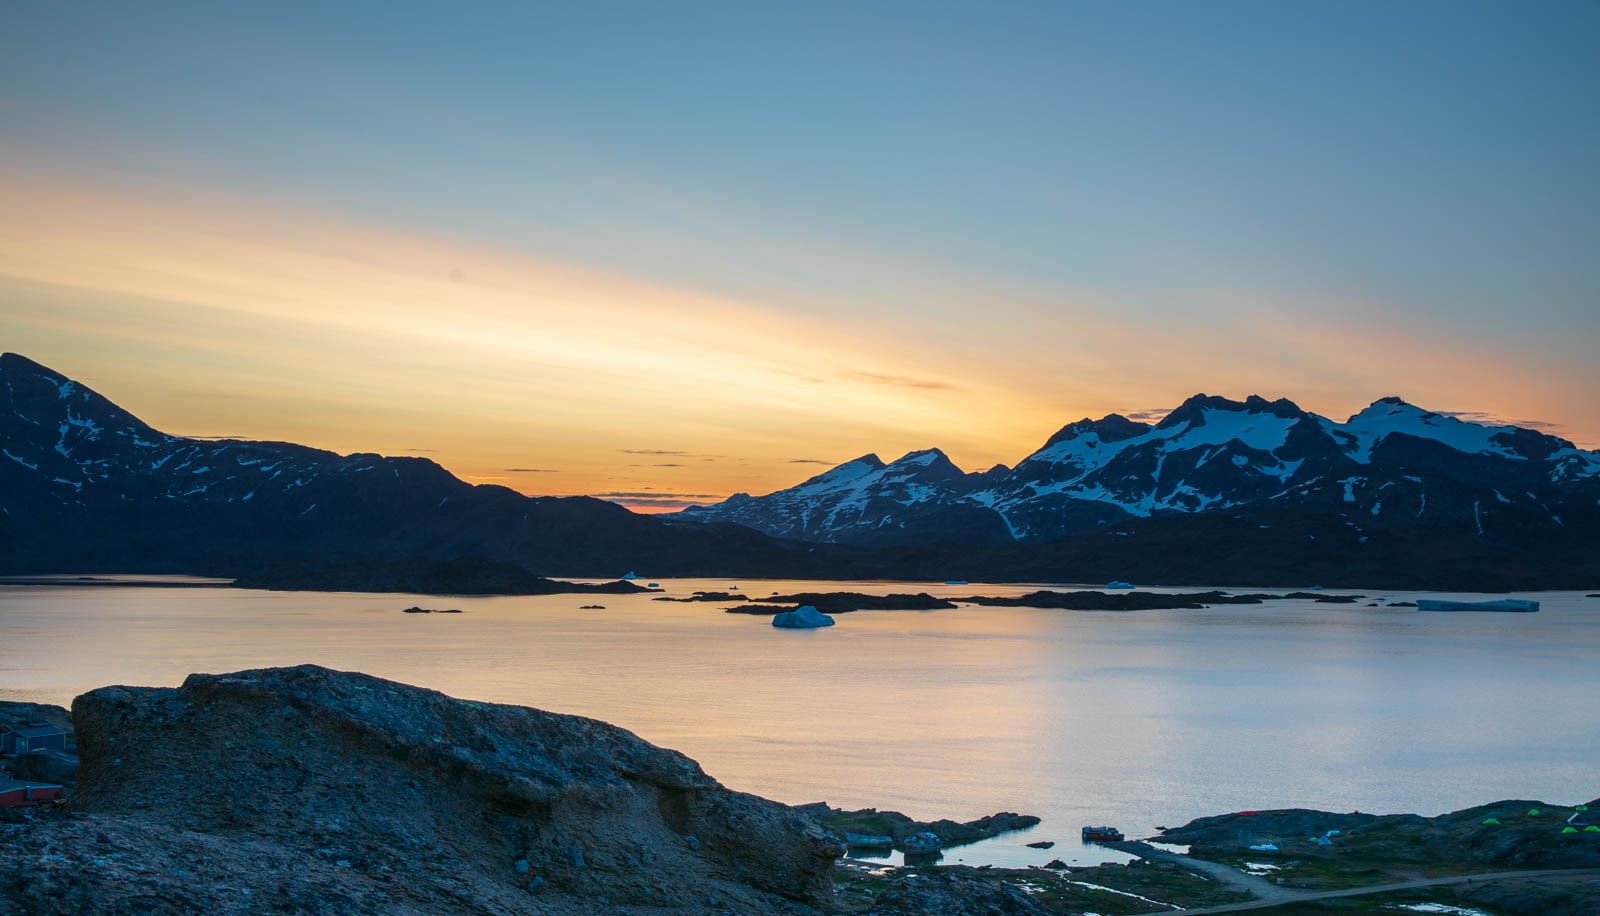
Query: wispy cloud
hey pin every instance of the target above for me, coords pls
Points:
(650, 451)
(653, 494)
(1491, 419)
(810, 461)
(1148, 414)
(898, 381)
(530, 470)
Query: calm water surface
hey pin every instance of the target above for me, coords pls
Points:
(1133, 719)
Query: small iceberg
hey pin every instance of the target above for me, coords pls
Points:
(1512, 605)
(652, 585)
(1119, 584)
(956, 582)
(630, 576)
(1264, 847)
(805, 618)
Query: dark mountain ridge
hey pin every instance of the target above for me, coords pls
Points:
(1251, 493)
(1387, 467)
(86, 486)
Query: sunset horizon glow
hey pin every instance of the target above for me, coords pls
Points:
(627, 274)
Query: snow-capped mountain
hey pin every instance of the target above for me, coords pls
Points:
(1209, 454)
(87, 486)
(1248, 493)
(922, 493)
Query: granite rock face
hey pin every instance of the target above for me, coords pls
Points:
(326, 791)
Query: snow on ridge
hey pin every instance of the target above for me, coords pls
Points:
(1381, 418)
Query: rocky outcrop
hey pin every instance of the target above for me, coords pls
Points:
(898, 826)
(954, 890)
(15, 714)
(1516, 833)
(322, 791)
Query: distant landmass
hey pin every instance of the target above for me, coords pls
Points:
(1392, 463)
(1250, 492)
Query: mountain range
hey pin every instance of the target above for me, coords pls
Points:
(87, 486)
(1390, 462)
(1219, 492)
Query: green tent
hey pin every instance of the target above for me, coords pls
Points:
(1569, 830)
(1591, 829)
(1492, 821)
(1581, 808)
(1533, 812)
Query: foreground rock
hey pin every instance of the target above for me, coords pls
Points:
(310, 790)
(954, 890)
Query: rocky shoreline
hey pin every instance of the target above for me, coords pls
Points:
(314, 791)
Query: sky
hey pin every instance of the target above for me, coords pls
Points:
(664, 252)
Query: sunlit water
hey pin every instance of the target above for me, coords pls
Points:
(1131, 719)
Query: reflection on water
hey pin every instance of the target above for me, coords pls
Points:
(1130, 719)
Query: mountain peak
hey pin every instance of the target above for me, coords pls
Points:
(1194, 409)
(1113, 427)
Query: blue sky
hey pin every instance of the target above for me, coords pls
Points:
(958, 177)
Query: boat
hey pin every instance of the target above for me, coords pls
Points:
(1119, 584)
(922, 844)
(1511, 605)
(868, 841)
(1102, 835)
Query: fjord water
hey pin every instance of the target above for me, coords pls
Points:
(1131, 719)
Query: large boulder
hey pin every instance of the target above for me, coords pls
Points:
(519, 809)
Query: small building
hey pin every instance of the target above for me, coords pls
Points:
(16, 793)
(40, 736)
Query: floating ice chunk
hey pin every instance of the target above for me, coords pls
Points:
(805, 618)
(1514, 605)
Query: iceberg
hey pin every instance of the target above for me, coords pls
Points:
(1513, 605)
(1264, 847)
(805, 618)
(1119, 584)
(630, 576)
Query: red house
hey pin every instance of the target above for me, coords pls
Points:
(16, 793)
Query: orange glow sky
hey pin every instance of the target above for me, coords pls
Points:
(210, 316)
(565, 259)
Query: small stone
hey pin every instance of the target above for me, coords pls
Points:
(535, 884)
(574, 856)
(693, 841)
(521, 866)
